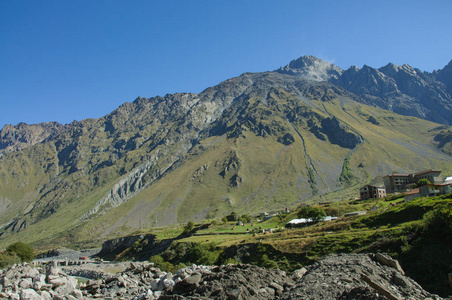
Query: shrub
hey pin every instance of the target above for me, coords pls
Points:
(189, 227)
(311, 212)
(163, 265)
(22, 250)
(439, 221)
(204, 254)
(423, 181)
(7, 259)
(230, 260)
(245, 218)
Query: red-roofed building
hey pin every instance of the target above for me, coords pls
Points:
(401, 182)
(411, 195)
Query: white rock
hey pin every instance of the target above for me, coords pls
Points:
(56, 282)
(168, 283)
(37, 286)
(46, 295)
(32, 273)
(154, 284)
(40, 278)
(25, 283)
(77, 294)
(29, 294)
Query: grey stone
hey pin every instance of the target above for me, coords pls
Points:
(46, 295)
(298, 274)
(14, 296)
(25, 283)
(387, 260)
(32, 273)
(29, 294)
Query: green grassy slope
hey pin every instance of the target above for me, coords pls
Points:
(250, 173)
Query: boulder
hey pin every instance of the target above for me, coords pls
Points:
(388, 261)
(298, 274)
(29, 294)
(25, 283)
(187, 284)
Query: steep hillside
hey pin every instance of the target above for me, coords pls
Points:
(21, 136)
(256, 142)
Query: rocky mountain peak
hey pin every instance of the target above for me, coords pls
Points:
(311, 68)
(353, 69)
(402, 89)
(445, 76)
(20, 136)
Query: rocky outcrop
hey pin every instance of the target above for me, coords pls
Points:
(128, 186)
(311, 68)
(346, 276)
(22, 135)
(445, 76)
(402, 89)
(26, 282)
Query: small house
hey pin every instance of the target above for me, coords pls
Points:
(372, 192)
(414, 193)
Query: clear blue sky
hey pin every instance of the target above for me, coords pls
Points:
(65, 60)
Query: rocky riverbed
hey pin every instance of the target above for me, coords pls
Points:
(347, 276)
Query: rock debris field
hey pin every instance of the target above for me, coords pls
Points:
(343, 276)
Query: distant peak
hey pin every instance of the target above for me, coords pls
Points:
(391, 66)
(311, 68)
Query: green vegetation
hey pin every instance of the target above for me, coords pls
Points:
(423, 181)
(417, 233)
(314, 213)
(16, 253)
(189, 227)
(8, 259)
(347, 176)
(22, 250)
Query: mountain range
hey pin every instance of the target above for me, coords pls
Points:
(308, 131)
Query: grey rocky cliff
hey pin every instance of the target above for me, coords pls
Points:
(192, 113)
(22, 135)
(445, 76)
(402, 89)
(311, 68)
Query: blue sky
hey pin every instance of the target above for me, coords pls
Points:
(70, 60)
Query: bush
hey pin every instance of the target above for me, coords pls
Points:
(7, 259)
(204, 254)
(423, 181)
(245, 218)
(165, 266)
(189, 227)
(22, 250)
(439, 221)
(311, 212)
